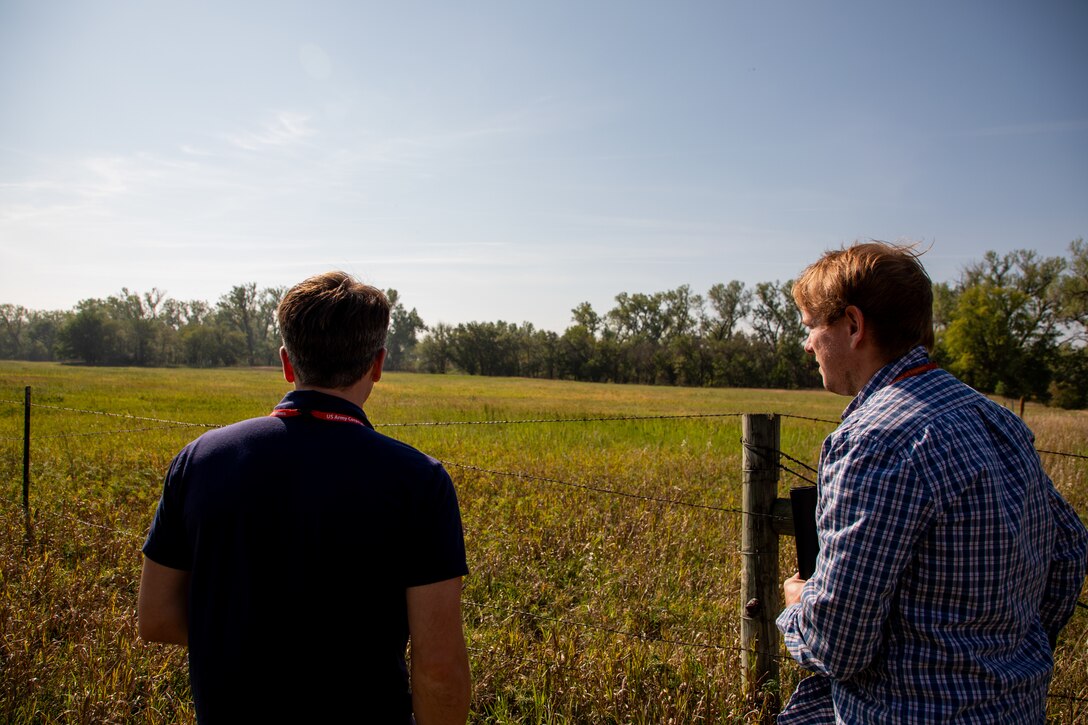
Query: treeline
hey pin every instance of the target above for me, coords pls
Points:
(151, 329)
(1014, 325)
(733, 336)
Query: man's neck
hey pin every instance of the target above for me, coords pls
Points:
(872, 366)
(868, 361)
(356, 393)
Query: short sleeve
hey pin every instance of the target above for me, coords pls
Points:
(437, 543)
(167, 543)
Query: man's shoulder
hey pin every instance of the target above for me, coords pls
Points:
(234, 434)
(917, 401)
(382, 440)
(342, 446)
(400, 453)
(932, 410)
(904, 410)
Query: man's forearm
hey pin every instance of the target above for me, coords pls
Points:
(441, 697)
(441, 679)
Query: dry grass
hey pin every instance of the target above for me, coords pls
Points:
(590, 598)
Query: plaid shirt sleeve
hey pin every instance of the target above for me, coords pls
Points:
(1067, 568)
(870, 510)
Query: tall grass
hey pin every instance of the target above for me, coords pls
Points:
(604, 560)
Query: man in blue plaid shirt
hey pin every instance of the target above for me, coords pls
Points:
(948, 561)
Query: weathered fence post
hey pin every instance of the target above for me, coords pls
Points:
(760, 583)
(26, 463)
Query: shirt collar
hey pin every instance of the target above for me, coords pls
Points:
(313, 400)
(884, 376)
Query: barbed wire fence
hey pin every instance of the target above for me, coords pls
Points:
(11, 508)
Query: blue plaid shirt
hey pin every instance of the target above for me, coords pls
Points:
(948, 562)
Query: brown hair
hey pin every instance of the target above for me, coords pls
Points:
(885, 281)
(333, 327)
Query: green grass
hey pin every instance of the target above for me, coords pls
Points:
(589, 600)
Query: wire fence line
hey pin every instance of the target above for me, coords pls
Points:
(92, 433)
(13, 510)
(782, 466)
(115, 415)
(596, 488)
(510, 612)
(518, 474)
(417, 424)
(167, 424)
(480, 469)
(1062, 453)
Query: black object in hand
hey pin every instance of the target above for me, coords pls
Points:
(803, 502)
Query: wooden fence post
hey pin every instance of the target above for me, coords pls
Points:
(760, 595)
(26, 465)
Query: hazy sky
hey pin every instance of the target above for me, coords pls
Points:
(509, 160)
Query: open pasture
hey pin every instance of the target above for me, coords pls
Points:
(605, 569)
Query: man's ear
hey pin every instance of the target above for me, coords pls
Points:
(379, 363)
(855, 319)
(288, 371)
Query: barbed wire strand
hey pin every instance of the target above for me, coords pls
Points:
(171, 427)
(1066, 696)
(783, 454)
(1062, 453)
(804, 478)
(596, 489)
(116, 415)
(806, 417)
(588, 419)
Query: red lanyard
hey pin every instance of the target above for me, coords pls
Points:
(915, 371)
(319, 414)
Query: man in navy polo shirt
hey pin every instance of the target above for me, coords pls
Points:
(296, 554)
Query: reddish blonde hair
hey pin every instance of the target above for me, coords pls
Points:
(885, 281)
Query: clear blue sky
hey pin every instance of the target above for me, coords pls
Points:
(509, 160)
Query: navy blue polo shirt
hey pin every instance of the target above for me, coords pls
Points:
(301, 534)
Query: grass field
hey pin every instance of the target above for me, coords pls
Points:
(605, 570)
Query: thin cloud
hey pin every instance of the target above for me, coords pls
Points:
(193, 151)
(80, 188)
(452, 139)
(286, 129)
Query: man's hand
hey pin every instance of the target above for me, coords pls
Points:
(791, 589)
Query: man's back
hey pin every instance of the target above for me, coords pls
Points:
(974, 529)
(933, 498)
(302, 533)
